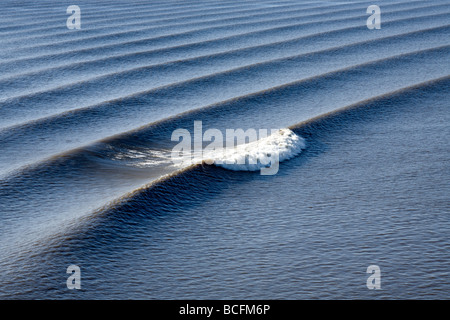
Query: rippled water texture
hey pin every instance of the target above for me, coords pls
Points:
(86, 118)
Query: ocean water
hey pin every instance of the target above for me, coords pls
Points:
(87, 178)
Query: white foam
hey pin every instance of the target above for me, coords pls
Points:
(282, 145)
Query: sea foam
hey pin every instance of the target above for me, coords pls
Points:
(281, 145)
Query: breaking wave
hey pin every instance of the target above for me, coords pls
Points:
(265, 152)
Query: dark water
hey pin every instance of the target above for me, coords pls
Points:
(86, 118)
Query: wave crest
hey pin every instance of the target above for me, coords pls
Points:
(266, 152)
